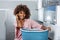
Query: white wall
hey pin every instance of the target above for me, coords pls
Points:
(2, 25)
(12, 4)
(40, 10)
(57, 26)
(58, 15)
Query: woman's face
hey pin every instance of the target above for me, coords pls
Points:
(21, 14)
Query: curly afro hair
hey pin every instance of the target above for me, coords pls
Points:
(23, 8)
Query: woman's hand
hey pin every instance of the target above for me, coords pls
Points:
(19, 22)
(44, 28)
(49, 28)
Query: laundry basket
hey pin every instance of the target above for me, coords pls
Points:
(34, 34)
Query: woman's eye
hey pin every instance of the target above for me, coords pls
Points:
(20, 13)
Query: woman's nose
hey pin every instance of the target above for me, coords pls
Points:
(21, 14)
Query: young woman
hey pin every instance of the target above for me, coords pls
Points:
(22, 14)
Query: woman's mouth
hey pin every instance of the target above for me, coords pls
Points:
(21, 17)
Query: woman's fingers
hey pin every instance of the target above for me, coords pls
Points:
(17, 16)
(43, 27)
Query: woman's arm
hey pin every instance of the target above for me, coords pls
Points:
(19, 23)
(18, 26)
(39, 26)
(44, 28)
